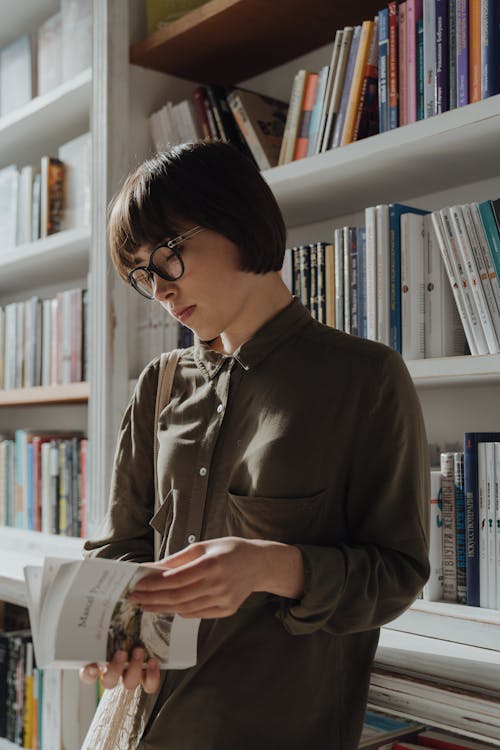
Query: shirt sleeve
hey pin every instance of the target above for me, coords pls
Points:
(125, 533)
(380, 569)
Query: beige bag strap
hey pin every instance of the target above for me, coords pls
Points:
(168, 363)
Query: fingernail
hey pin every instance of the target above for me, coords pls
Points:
(92, 671)
(120, 656)
(152, 663)
(137, 653)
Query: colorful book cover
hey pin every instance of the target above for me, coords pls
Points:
(442, 57)
(367, 120)
(449, 527)
(358, 77)
(474, 50)
(393, 66)
(346, 90)
(395, 212)
(317, 112)
(402, 64)
(420, 70)
(462, 53)
(413, 15)
(460, 529)
(471, 493)
(452, 51)
(490, 80)
(383, 69)
(491, 231)
(305, 118)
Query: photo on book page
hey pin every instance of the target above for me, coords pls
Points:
(80, 613)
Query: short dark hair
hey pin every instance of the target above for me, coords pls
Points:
(209, 183)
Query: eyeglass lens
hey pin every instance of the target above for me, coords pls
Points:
(169, 267)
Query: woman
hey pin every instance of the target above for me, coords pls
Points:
(292, 465)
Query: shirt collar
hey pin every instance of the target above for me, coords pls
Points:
(271, 335)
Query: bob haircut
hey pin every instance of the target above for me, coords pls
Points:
(209, 183)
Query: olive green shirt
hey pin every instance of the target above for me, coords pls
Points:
(307, 436)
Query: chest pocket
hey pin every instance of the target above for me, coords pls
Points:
(287, 520)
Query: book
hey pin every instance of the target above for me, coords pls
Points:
(353, 102)
(433, 589)
(17, 74)
(452, 51)
(77, 157)
(337, 87)
(442, 57)
(412, 286)
(293, 117)
(420, 70)
(383, 69)
(50, 73)
(413, 16)
(332, 72)
(261, 120)
(317, 112)
(9, 193)
(402, 63)
(482, 462)
(383, 275)
(339, 278)
(346, 88)
(51, 196)
(490, 74)
(490, 470)
(449, 527)
(76, 33)
(460, 527)
(474, 50)
(367, 117)
(393, 66)
(462, 52)
(380, 728)
(302, 140)
(429, 18)
(444, 741)
(361, 280)
(371, 272)
(80, 613)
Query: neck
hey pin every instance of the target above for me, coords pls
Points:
(269, 297)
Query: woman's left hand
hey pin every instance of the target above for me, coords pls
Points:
(207, 579)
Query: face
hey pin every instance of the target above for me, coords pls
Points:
(211, 295)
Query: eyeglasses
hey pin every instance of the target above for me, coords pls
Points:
(164, 261)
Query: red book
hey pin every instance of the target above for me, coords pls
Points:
(474, 50)
(444, 741)
(305, 117)
(200, 99)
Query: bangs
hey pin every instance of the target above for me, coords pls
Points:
(136, 220)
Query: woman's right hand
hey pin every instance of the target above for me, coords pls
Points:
(132, 675)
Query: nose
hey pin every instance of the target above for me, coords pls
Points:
(163, 290)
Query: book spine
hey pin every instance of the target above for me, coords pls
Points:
(353, 276)
(471, 494)
(496, 458)
(305, 275)
(339, 278)
(429, 21)
(490, 79)
(383, 275)
(483, 524)
(393, 66)
(293, 118)
(347, 279)
(199, 95)
(420, 70)
(442, 57)
(460, 529)
(395, 278)
(433, 589)
(411, 59)
(330, 301)
(371, 272)
(358, 76)
(313, 266)
(402, 64)
(297, 279)
(412, 286)
(367, 119)
(83, 500)
(330, 81)
(462, 53)
(317, 112)
(452, 51)
(383, 72)
(245, 125)
(348, 81)
(361, 245)
(491, 524)
(449, 527)
(474, 50)
(491, 232)
(302, 140)
(320, 281)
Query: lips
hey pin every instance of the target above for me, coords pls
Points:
(183, 313)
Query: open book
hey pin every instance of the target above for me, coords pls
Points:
(80, 613)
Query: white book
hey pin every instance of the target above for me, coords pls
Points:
(9, 197)
(179, 119)
(484, 249)
(51, 708)
(25, 204)
(491, 524)
(50, 54)
(46, 343)
(16, 75)
(464, 285)
(293, 117)
(45, 488)
(19, 354)
(55, 371)
(287, 269)
(28, 374)
(193, 130)
(383, 275)
(437, 223)
(78, 707)
(338, 84)
(483, 524)
(497, 517)
(433, 589)
(10, 346)
(429, 12)
(444, 334)
(3, 482)
(473, 277)
(77, 157)
(412, 286)
(347, 279)
(76, 33)
(449, 527)
(371, 272)
(80, 613)
(339, 279)
(332, 68)
(2, 347)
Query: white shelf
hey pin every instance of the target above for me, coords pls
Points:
(28, 266)
(470, 626)
(19, 548)
(47, 121)
(456, 147)
(23, 16)
(455, 370)
(6, 745)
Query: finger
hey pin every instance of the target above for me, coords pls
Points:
(178, 597)
(133, 675)
(89, 673)
(185, 555)
(189, 573)
(114, 669)
(198, 603)
(151, 676)
(209, 613)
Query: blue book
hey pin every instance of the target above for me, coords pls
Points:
(383, 70)
(420, 69)
(395, 212)
(490, 53)
(361, 243)
(471, 495)
(442, 57)
(491, 231)
(30, 489)
(460, 529)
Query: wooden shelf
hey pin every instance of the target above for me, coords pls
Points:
(19, 547)
(453, 148)
(455, 370)
(73, 393)
(226, 41)
(28, 266)
(41, 125)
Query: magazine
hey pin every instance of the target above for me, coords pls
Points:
(80, 613)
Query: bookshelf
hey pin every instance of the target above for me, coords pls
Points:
(72, 393)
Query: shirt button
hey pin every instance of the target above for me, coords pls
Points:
(191, 538)
(219, 408)
(203, 472)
